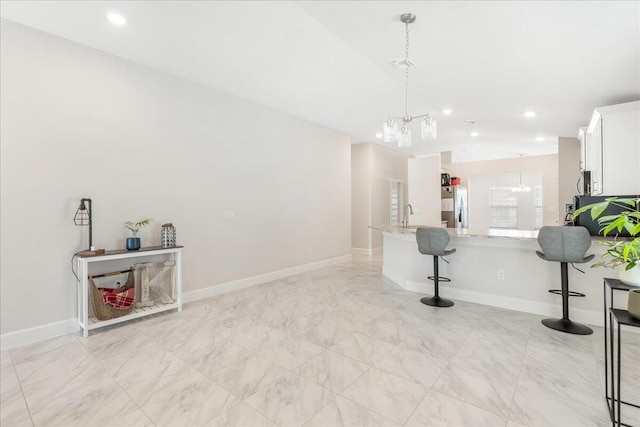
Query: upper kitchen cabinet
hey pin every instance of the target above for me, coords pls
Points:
(611, 149)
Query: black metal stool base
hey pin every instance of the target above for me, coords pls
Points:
(566, 325)
(436, 301)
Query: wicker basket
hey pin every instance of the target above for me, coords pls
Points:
(104, 311)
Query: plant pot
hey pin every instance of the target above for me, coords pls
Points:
(630, 277)
(633, 303)
(133, 243)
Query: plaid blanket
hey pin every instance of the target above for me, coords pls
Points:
(120, 299)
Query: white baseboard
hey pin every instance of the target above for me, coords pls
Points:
(361, 251)
(517, 304)
(365, 251)
(210, 291)
(69, 326)
(37, 333)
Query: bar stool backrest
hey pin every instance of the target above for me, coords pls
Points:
(564, 244)
(433, 241)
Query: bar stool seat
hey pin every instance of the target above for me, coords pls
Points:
(433, 241)
(565, 245)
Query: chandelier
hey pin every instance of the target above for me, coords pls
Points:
(402, 136)
(521, 188)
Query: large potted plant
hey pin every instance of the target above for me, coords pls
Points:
(133, 242)
(621, 251)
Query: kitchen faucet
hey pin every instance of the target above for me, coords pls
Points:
(405, 219)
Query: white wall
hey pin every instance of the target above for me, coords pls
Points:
(80, 123)
(547, 165)
(424, 190)
(373, 166)
(568, 172)
(386, 164)
(361, 197)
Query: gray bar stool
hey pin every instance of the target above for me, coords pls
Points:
(565, 245)
(433, 241)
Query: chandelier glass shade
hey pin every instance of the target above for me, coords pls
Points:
(404, 138)
(429, 128)
(392, 132)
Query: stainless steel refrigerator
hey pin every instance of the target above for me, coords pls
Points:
(454, 206)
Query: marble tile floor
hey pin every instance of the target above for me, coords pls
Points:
(339, 346)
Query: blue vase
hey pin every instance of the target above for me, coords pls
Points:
(133, 243)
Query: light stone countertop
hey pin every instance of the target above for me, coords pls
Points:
(490, 233)
(463, 232)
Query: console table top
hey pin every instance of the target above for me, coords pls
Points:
(124, 251)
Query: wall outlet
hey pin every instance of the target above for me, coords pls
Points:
(500, 274)
(229, 214)
(310, 249)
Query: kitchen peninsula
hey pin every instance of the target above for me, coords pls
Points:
(494, 267)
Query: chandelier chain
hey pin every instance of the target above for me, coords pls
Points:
(406, 76)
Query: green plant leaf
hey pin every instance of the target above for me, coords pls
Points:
(607, 218)
(628, 202)
(614, 225)
(629, 227)
(143, 222)
(614, 254)
(597, 210)
(583, 209)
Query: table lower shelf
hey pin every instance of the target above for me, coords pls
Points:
(159, 307)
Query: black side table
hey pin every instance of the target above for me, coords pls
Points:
(622, 318)
(613, 285)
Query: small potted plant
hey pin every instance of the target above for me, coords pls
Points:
(133, 242)
(621, 251)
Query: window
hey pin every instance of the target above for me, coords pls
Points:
(537, 195)
(395, 201)
(504, 208)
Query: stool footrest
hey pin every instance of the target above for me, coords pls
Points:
(571, 293)
(440, 279)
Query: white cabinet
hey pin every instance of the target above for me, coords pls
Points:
(582, 137)
(612, 149)
(593, 153)
(89, 265)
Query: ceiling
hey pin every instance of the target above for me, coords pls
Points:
(328, 61)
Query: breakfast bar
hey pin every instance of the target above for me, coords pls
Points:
(494, 267)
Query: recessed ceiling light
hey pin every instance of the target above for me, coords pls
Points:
(379, 135)
(447, 112)
(529, 114)
(539, 139)
(116, 18)
(474, 134)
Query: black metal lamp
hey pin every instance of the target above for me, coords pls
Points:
(83, 218)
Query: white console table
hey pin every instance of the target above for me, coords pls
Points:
(87, 265)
